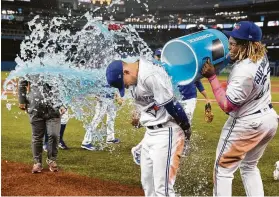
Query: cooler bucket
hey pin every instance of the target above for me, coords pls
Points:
(183, 57)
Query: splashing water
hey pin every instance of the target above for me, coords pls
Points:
(71, 55)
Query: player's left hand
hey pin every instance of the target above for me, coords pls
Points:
(208, 69)
(188, 134)
(62, 110)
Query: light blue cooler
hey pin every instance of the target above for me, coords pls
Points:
(183, 57)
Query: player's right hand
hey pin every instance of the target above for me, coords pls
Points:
(208, 69)
(22, 106)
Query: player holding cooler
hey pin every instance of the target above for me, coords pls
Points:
(252, 122)
(163, 117)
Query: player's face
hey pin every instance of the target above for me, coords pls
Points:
(129, 79)
(156, 57)
(234, 48)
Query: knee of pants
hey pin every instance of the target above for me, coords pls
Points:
(54, 135)
(248, 166)
(145, 181)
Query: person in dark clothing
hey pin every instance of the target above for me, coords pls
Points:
(41, 103)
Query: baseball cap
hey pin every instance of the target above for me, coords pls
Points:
(158, 52)
(246, 30)
(114, 74)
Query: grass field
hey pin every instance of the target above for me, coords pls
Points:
(115, 162)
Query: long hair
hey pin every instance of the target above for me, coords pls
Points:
(252, 50)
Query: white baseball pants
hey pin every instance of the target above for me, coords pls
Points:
(160, 158)
(102, 108)
(241, 145)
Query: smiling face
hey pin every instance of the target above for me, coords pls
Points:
(234, 49)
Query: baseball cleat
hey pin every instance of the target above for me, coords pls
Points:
(114, 141)
(52, 165)
(45, 147)
(62, 145)
(37, 168)
(276, 171)
(88, 147)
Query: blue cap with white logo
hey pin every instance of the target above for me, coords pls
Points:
(246, 30)
(158, 52)
(114, 74)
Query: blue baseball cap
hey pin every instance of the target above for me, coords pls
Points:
(246, 30)
(158, 52)
(114, 74)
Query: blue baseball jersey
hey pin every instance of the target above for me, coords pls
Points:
(190, 91)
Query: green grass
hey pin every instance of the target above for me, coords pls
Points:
(4, 74)
(115, 162)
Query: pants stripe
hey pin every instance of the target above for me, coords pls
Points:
(168, 162)
(221, 152)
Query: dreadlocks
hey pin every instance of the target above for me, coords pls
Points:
(252, 50)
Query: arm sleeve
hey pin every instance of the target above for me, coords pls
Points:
(225, 104)
(22, 91)
(178, 113)
(161, 88)
(199, 85)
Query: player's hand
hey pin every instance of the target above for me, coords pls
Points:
(184, 126)
(136, 119)
(208, 69)
(22, 106)
(188, 134)
(119, 101)
(62, 110)
(135, 122)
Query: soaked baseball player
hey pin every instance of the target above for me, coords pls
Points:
(252, 121)
(105, 106)
(163, 117)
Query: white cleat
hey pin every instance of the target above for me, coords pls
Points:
(276, 171)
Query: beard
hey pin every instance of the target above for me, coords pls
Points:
(233, 56)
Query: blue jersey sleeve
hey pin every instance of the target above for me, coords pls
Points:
(178, 113)
(199, 85)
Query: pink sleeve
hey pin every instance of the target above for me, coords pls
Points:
(220, 95)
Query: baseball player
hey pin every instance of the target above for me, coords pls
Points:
(276, 171)
(104, 106)
(252, 122)
(163, 117)
(188, 101)
(157, 54)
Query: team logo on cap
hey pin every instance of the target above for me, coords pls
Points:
(237, 26)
